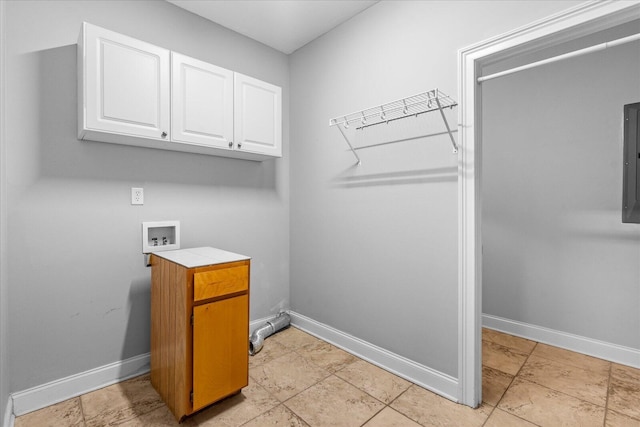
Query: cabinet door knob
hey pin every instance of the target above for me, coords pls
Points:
(164, 134)
(230, 144)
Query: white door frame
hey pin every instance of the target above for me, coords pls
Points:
(6, 408)
(584, 19)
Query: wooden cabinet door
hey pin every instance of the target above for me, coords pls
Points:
(220, 349)
(202, 102)
(126, 84)
(258, 116)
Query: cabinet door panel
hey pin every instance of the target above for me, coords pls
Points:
(220, 349)
(202, 102)
(127, 85)
(258, 116)
(139, 77)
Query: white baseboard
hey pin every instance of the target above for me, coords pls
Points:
(41, 396)
(600, 349)
(8, 414)
(424, 376)
(75, 385)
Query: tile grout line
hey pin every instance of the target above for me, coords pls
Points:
(560, 391)
(490, 413)
(496, 406)
(259, 415)
(572, 365)
(511, 383)
(385, 405)
(632, 381)
(289, 350)
(374, 415)
(321, 367)
(552, 389)
(333, 374)
(283, 403)
(369, 394)
(514, 375)
(295, 413)
(269, 361)
(606, 402)
(84, 420)
(302, 391)
(398, 397)
(270, 409)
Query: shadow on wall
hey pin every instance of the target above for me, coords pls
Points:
(396, 147)
(136, 337)
(141, 396)
(431, 135)
(419, 176)
(63, 155)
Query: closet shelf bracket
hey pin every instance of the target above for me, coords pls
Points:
(446, 124)
(412, 106)
(344, 135)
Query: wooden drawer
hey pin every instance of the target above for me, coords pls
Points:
(217, 283)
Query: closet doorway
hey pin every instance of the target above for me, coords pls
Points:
(571, 25)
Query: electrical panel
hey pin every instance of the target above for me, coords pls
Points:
(631, 164)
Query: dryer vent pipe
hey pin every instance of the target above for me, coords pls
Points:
(256, 341)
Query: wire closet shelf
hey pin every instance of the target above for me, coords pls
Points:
(412, 106)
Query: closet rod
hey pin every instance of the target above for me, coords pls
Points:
(575, 53)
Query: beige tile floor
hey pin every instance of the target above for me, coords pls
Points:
(298, 380)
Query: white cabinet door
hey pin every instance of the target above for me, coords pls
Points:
(201, 102)
(257, 116)
(124, 85)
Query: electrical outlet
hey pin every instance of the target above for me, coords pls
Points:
(137, 196)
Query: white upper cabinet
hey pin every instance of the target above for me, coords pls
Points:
(258, 116)
(123, 85)
(134, 93)
(202, 102)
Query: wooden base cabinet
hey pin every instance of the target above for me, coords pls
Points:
(199, 330)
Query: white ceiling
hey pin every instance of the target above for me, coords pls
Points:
(285, 25)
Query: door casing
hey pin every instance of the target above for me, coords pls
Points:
(573, 23)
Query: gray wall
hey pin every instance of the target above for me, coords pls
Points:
(556, 253)
(374, 247)
(78, 287)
